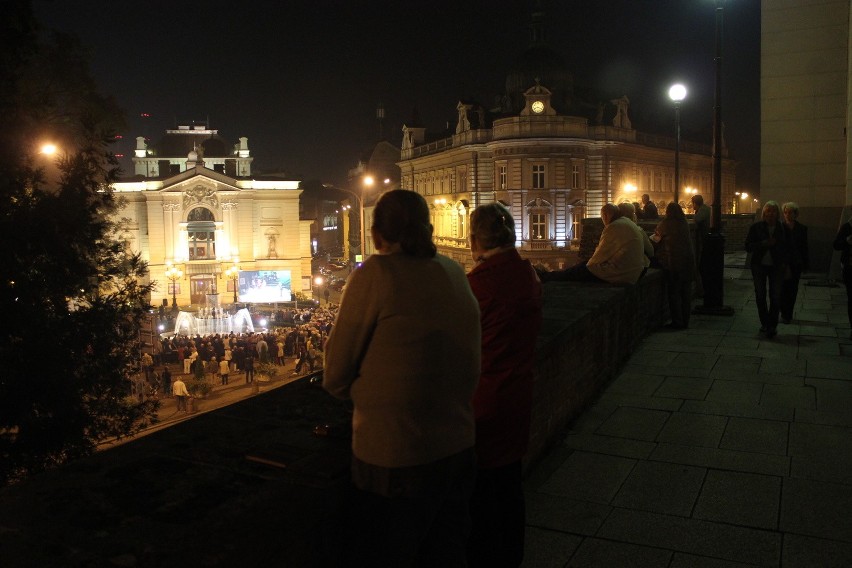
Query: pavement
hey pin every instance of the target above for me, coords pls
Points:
(713, 447)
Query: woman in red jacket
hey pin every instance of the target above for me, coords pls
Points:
(510, 299)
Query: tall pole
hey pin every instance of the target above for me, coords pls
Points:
(713, 256)
(677, 153)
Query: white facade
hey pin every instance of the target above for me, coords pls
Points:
(203, 222)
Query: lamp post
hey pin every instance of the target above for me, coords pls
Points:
(368, 182)
(713, 257)
(677, 93)
(318, 281)
(233, 273)
(173, 273)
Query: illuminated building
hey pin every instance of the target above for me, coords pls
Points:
(550, 157)
(203, 212)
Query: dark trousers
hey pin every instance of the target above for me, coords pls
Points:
(789, 291)
(577, 273)
(249, 375)
(679, 290)
(498, 515)
(847, 279)
(767, 279)
(420, 518)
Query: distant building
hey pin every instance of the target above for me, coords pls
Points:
(194, 205)
(550, 157)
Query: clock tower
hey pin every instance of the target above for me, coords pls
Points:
(537, 101)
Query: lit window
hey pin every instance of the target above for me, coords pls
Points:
(538, 176)
(503, 177)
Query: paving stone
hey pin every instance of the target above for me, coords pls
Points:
(782, 366)
(754, 435)
(606, 553)
(741, 363)
(548, 549)
(684, 387)
(735, 391)
(807, 551)
(636, 383)
(738, 498)
(832, 395)
(661, 487)
(818, 330)
(788, 396)
(636, 401)
(589, 477)
(681, 560)
(694, 536)
(634, 423)
(816, 508)
(610, 445)
(744, 410)
(723, 459)
(671, 371)
(563, 514)
(693, 429)
(830, 368)
(824, 417)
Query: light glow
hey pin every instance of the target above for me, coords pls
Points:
(677, 92)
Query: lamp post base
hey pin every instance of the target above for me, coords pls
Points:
(712, 271)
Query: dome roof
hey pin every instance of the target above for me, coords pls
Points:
(543, 64)
(179, 145)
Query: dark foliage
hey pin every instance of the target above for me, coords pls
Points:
(71, 296)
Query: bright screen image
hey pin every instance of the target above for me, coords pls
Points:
(265, 286)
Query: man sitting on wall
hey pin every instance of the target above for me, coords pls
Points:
(618, 259)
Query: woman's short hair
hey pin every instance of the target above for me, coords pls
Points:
(675, 211)
(628, 210)
(402, 216)
(492, 226)
(792, 206)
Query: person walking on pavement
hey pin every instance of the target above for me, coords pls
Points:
(180, 392)
(768, 241)
(798, 260)
(843, 243)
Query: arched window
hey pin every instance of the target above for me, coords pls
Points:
(201, 234)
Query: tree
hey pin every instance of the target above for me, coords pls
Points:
(70, 293)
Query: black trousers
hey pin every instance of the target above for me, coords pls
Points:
(498, 516)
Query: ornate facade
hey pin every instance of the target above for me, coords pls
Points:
(550, 169)
(203, 221)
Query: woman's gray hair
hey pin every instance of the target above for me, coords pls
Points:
(770, 203)
(792, 206)
(492, 226)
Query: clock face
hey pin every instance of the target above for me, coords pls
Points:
(537, 107)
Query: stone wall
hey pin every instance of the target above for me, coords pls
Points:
(589, 330)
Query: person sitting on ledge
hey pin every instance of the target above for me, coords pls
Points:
(619, 258)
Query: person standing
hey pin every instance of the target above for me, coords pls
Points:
(248, 362)
(843, 243)
(510, 302)
(167, 381)
(768, 241)
(675, 255)
(180, 392)
(798, 260)
(224, 370)
(406, 350)
(649, 208)
(702, 228)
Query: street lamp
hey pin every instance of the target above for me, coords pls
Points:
(713, 256)
(368, 183)
(233, 273)
(677, 93)
(318, 281)
(173, 273)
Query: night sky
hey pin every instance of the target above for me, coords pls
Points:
(302, 79)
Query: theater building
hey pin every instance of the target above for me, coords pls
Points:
(205, 224)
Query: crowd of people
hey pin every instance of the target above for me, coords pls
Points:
(217, 357)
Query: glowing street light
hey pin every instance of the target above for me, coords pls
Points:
(677, 93)
(174, 274)
(233, 273)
